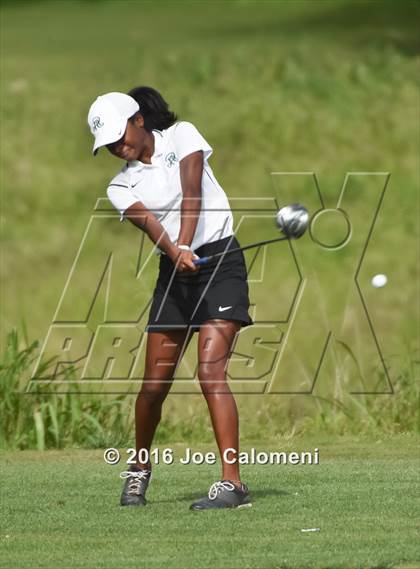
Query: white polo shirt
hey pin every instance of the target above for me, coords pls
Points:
(158, 186)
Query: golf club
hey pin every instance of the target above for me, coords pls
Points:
(292, 220)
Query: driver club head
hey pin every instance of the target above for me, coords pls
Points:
(293, 220)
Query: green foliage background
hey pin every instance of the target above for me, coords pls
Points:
(320, 86)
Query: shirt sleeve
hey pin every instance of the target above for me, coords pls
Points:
(187, 140)
(120, 197)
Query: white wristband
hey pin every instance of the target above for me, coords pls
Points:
(185, 247)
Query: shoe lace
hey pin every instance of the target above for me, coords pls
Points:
(135, 479)
(217, 486)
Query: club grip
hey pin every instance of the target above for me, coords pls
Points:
(201, 261)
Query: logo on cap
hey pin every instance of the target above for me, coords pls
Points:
(96, 123)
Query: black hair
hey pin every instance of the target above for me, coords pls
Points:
(153, 108)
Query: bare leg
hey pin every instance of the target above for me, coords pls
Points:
(215, 343)
(163, 353)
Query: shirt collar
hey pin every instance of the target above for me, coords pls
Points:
(158, 143)
(158, 136)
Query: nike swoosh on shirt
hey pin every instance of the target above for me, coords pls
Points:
(224, 308)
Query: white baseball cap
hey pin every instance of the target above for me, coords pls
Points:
(108, 117)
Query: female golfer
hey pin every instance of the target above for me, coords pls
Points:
(167, 189)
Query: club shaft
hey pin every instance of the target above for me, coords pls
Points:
(205, 260)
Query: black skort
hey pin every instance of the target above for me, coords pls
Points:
(219, 290)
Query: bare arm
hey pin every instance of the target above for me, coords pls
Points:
(143, 218)
(191, 172)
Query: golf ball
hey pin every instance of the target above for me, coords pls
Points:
(379, 281)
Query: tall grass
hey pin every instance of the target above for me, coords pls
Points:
(45, 420)
(51, 420)
(373, 413)
(376, 413)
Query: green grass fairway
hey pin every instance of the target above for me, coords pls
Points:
(60, 509)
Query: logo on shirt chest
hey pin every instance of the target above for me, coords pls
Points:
(170, 159)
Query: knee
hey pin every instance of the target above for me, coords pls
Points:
(212, 378)
(153, 394)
